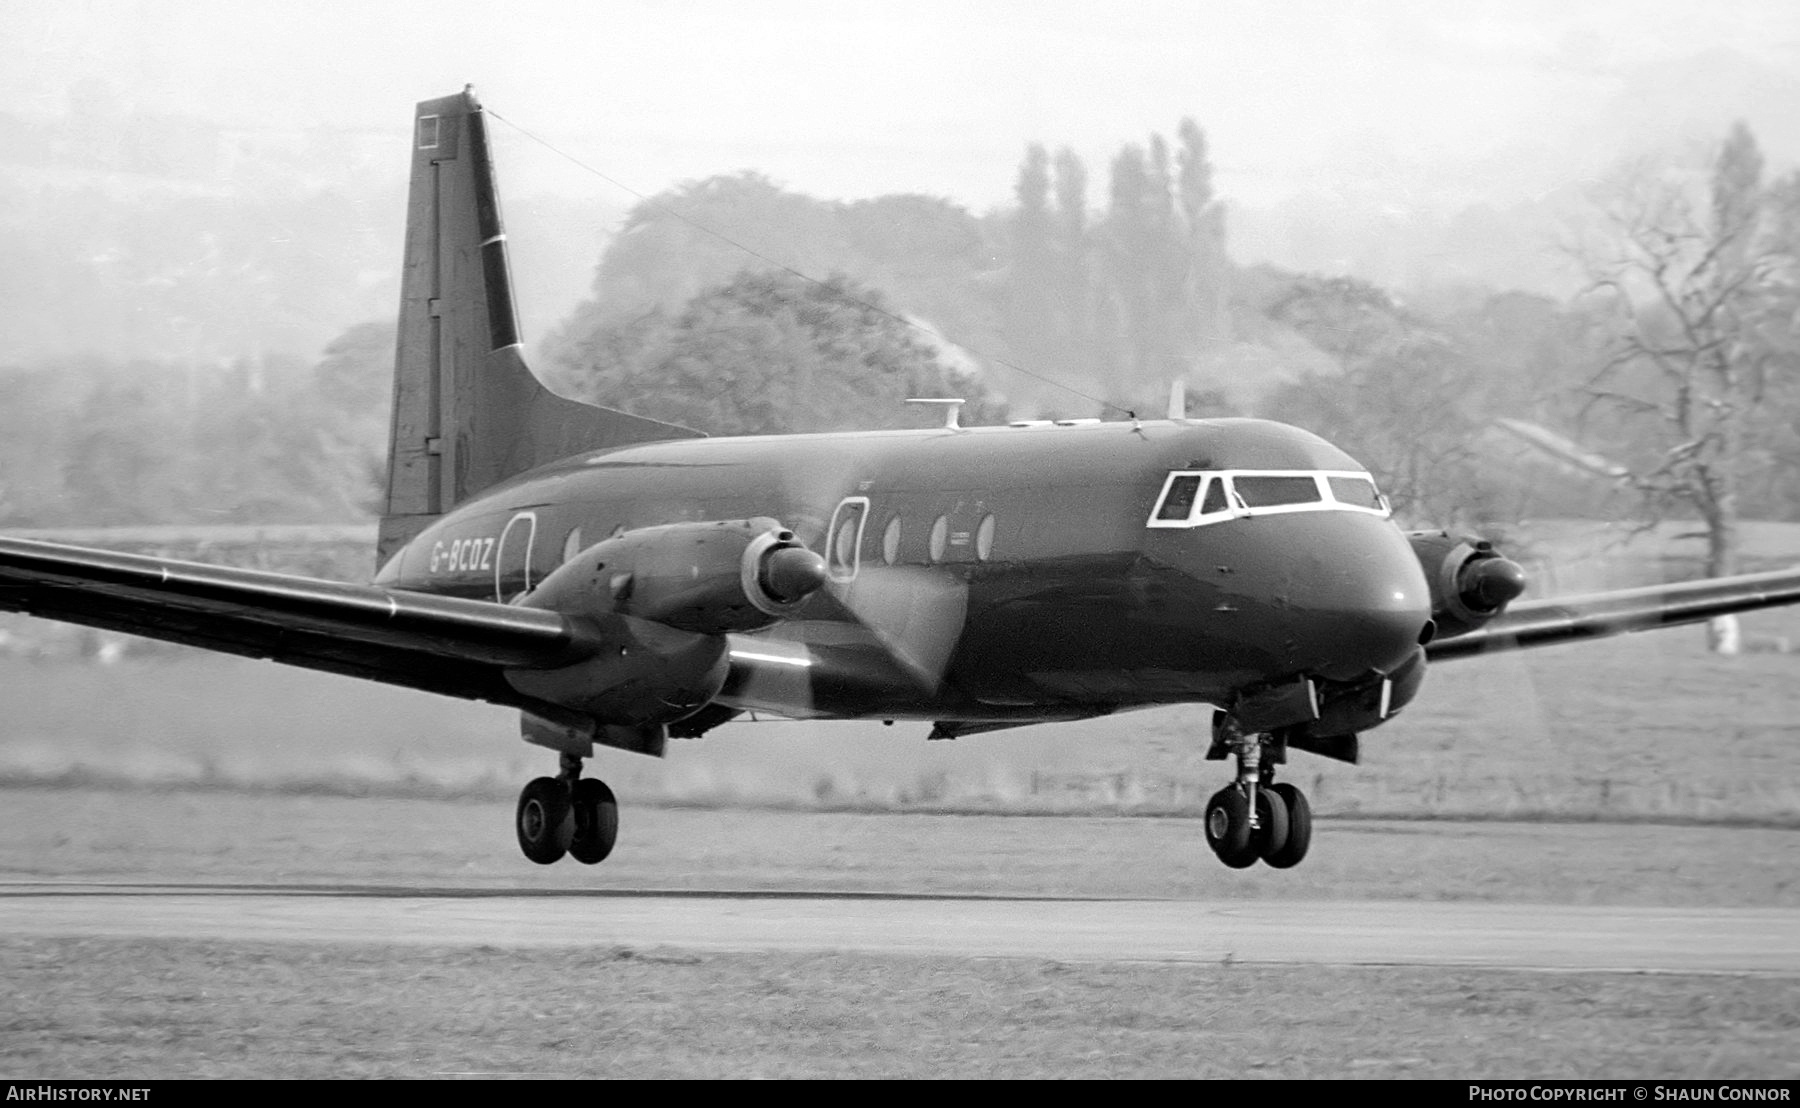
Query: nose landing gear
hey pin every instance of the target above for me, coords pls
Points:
(567, 814)
(1287, 853)
(1253, 817)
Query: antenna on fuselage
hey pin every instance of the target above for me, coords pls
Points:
(1178, 398)
(952, 407)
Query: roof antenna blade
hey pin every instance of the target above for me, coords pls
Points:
(952, 406)
(1178, 398)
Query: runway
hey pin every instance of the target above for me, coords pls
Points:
(1634, 939)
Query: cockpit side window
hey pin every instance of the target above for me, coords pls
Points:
(1178, 499)
(1215, 498)
(1358, 492)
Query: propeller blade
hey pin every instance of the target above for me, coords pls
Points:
(916, 613)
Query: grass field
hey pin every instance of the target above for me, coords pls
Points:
(88, 1008)
(99, 1009)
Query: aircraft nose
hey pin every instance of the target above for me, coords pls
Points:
(1368, 607)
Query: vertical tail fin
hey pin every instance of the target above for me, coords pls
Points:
(468, 412)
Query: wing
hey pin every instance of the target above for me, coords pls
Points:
(440, 644)
(1548, 622)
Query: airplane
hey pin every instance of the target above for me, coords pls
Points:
(622, 581)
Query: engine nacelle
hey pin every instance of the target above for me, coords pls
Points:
(1470, 582)
(711, 578)
(644, 674)
(659, 602)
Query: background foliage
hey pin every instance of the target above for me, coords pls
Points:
(736, 306)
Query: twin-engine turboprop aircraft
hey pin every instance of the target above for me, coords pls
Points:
(621, 580)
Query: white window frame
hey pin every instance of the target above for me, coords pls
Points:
(832, 564)
(1237, 509)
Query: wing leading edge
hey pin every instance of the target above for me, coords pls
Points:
(439, 644)
(1549, 622)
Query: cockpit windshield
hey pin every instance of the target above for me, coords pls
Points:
(1193, 499)
(1274, 492)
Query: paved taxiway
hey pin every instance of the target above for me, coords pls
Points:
(1511, 936)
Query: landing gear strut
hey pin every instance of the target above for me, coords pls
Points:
(1253, 817)
(567, 814)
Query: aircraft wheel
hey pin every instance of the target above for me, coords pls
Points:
(545, 822)
(1299, 828)
(596, 821)
(1272, 823)
(1228, 827)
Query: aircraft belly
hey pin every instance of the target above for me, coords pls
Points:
(1035, 641)
(1141, 632)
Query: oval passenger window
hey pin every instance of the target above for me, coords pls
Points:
(890, 541)
(984, 538)
(846, 544)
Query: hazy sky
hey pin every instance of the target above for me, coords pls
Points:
(863, 98)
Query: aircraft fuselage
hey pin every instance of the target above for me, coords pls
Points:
(1034, 544)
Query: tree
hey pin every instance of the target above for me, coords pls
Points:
(1159, 309)
(1203, 220)
(39, 406)
(352, 390)
(1030, 311)
(1401, 397)
(124, 462)
(1130, 241)
(1697, 282)
(1071, 283)
(771, 353)
(924, 253)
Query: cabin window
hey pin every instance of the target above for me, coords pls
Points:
(1178, 499)
(890, 541)
(940, 537)
(1277, 491)
(984, 538)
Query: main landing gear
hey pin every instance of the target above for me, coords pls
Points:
(1253, 817)
(567, 814)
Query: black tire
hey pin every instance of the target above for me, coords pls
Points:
(545, 821)
(1228, 827)
(1299, 829)
(1272, 823)
(596, 821)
